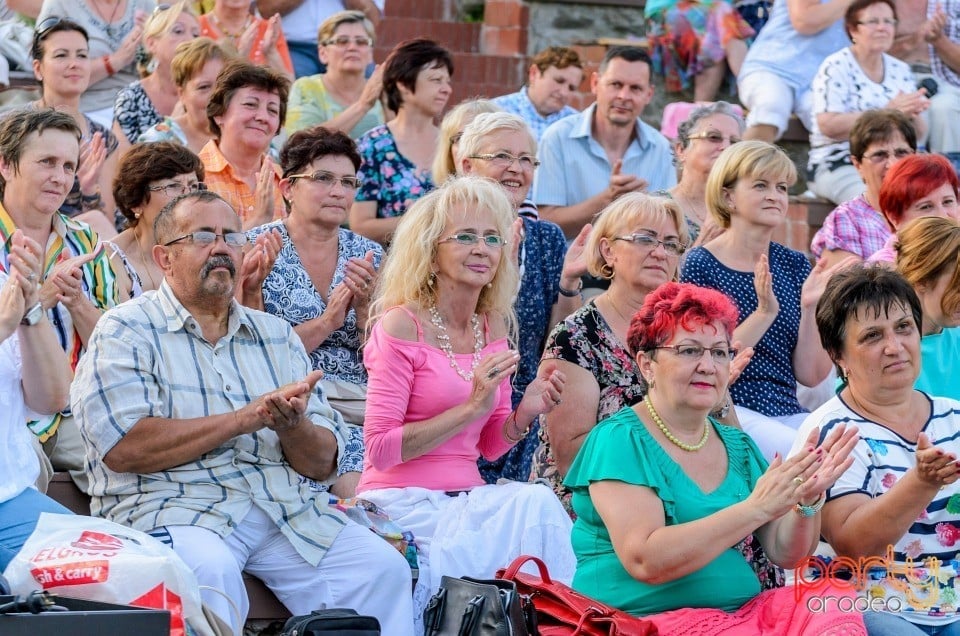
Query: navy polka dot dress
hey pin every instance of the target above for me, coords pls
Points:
(768, 384)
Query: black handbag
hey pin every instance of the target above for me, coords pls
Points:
(331, 622)
(475, 607)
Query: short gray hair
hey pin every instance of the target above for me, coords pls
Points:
(487, 124)
(702, 112)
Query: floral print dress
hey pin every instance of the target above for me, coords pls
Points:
(386, 176)
(586, 340)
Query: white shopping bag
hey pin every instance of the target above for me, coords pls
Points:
(96, 559)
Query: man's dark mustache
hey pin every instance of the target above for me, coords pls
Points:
(218, 261)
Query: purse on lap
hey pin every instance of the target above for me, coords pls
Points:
(330, 622)
(474, 607)
(562, 611)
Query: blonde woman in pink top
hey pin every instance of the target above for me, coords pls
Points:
(440, 361)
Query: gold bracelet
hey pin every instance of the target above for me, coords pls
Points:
(513, 418)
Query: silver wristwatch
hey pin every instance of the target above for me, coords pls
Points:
(33, 315)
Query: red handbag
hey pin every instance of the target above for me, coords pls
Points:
(562, 611)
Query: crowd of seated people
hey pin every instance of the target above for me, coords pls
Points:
(321, 295)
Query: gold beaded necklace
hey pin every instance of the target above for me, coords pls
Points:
(690, 448)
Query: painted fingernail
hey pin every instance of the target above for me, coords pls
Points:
(809, 449)
(819, 451)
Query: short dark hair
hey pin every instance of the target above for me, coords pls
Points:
(405, 62)
(165, 225)
(628, 53)
(147, 162)
(16, 126)
(56, 24)
(861, 286)
(878, 126)
(852, 15)
(237, 74)
(307, 145)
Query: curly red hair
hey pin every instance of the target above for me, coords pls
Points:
(678, 305)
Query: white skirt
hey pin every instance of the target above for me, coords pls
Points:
(477, 532)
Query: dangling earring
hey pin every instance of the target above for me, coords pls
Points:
(650, 383)
(152, 65)
(489, 285)
(430, 279)
(606, 271)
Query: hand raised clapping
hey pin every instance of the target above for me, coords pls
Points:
(934, 466)
(805, 477)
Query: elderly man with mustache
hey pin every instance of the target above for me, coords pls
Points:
(201, 422)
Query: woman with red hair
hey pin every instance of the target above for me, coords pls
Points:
(918, 185)
(663, 492)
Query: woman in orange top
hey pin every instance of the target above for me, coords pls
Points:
(257, 39)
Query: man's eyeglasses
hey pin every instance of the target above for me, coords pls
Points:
(691, 353)
(173, 190)
(505, 159)
(649, 243)
(715, 137)
(875, 22)
(881, 156)
(469, 238)
(345, 40)
(328, 179)
(204, 238)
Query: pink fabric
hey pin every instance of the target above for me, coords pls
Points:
(676, 113)
(411, 382)
(776, 612)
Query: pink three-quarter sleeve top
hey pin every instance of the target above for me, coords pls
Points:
(412, 382)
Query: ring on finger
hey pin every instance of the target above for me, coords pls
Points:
(494, 372)
(557, 402)
(798, 480)
(368, 279)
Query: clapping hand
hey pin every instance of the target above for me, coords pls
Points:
(284, 408)
(805, 477)
(934, 466)
(543, 394)
(258, 261)
(65, 283)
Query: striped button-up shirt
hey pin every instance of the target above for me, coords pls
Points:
(148, 358)
(69, 238)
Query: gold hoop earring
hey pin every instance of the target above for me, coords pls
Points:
(606, 271)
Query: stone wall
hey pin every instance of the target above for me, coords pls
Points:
(563, 24)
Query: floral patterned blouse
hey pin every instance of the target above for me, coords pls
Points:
(386, 176)
(586, 340)
(288, 292)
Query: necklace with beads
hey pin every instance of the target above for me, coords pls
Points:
(690, 448)
(443, 339)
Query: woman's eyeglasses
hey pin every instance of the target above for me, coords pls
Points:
(875, 22)
(715, 137)
(173, 190)
(720, 355)
(328, 179)
(344, 41)
(881, 156)
(505, 159)
(470, 238)
(649, 243)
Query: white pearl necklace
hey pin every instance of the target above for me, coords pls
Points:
(443, 339)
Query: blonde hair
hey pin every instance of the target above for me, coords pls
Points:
(926, 248)
(486, 124)
(407, 273)
(329, 26)
(629, 210)
(744, 160)
(159, 24)
(192, 56)
(452, 126)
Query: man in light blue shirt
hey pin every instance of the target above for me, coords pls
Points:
(554, 76)
(590, 159)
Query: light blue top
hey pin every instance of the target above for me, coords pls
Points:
(795, 58)
(519, 104)
(574, 167)
(939, 353)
